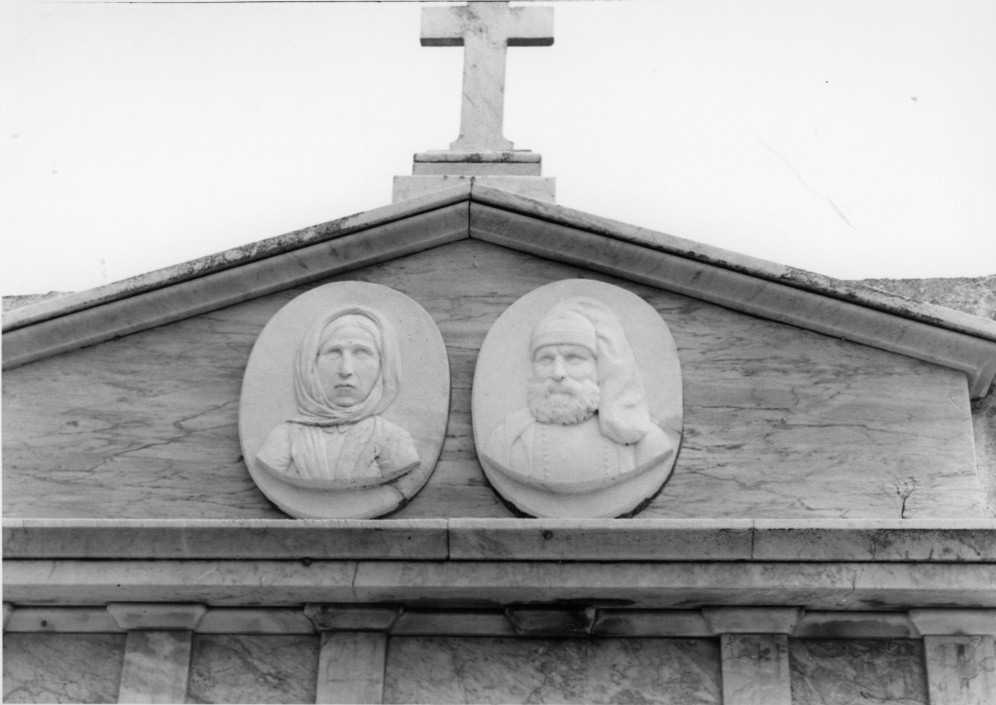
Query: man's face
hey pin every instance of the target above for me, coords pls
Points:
(564, 388)
(556, 363)
(348, 365)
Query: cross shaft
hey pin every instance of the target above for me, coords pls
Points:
(485, 30)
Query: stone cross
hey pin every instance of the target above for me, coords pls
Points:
(485, 30)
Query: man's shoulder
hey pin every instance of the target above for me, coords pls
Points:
(515, 424)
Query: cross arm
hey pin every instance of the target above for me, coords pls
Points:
(523, 26)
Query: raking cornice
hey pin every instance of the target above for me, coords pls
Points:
(810, 301)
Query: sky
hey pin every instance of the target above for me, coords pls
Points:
(853, 138)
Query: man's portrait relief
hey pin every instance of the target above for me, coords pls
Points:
(347, 434)
(584, 441)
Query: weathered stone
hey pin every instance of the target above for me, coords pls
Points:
(558, 621)
(954, 622)
(453, 622)
(752, 620)
(539, 188)
(156, 667)
(601, 539)
(855, 625)
(650, 623)
(755, 669)
(351, 667)
(961, 670)
(352, 618)
(137, 615)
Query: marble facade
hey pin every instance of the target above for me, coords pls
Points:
(461, 669)
(825, 500)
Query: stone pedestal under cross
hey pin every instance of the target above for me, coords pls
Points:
(485, 29)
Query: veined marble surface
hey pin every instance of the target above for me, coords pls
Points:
(62, 668)
(229, 668)
(502, 670)
(857, 672)
(779, 422)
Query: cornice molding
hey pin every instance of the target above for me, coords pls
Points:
(936, 541)
(841, 309)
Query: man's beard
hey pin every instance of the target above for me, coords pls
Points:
(566, 403)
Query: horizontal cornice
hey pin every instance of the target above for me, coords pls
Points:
(555, 540)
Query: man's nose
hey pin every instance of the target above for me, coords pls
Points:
(559, 369)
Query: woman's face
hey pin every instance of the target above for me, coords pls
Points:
(348, 364)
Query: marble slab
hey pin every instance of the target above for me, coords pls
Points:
(494, 670)
(855, 625)
(218, 280)
(235, 620)
(660, 623)
(961, 670)
(138, 615)
(779, 422)
(594, 539)
(955, 540)
(340, 618)
(215, 583)
(755, 669)
(752, 620)
(225, 538)
(351, 667)
(77, 620)
(818, 585)
(62, 668)
(756, 287)
(156, 667)
(453, 622)
(233, 668)
(951, 622)
(853, 672)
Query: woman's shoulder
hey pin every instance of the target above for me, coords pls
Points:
(384, 427)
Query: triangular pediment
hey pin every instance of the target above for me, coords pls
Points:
(470, 211)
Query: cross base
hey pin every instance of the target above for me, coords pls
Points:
(541, 188)
(517, 171)
(478, 163)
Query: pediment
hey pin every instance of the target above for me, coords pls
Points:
(759, 288)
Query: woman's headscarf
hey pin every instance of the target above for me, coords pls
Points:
(315, 408)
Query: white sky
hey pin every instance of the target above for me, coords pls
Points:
(855, 138)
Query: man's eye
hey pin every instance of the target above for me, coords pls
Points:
(332, 351)
(363, 352)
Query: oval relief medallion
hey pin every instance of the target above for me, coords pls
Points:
(344, 402)
(577, 402)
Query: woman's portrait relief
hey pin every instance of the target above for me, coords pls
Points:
(354, 441)
(346, 374)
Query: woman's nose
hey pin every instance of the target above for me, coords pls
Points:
(346, 366)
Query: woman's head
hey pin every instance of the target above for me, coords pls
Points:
(347, 369)
(348, 362)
